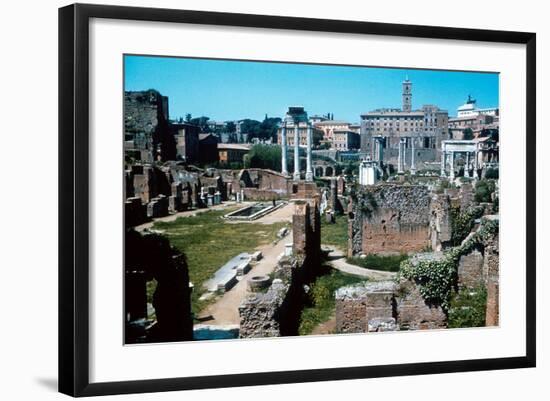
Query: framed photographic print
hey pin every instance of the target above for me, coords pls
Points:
(251, 199)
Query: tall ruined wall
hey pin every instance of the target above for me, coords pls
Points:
(390, 218)
(491, 269)
(146, 125)
(151, 256)
(440, 221)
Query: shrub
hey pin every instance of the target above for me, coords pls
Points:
(467, 308)
(483, 191)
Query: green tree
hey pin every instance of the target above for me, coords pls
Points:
(483, 191)
(264, 156)
(231, 127)
(468, 134)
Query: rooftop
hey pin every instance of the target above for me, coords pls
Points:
(233, 146)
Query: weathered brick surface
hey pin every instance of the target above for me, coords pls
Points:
(413, 313)
(491, 271)
(440, 221)
(358, 305)
(146, 126)
(389, 218)
(470, 270)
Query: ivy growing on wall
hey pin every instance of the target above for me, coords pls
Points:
(437, 278)
(463, 222)
(368, 204)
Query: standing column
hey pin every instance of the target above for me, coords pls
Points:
(400, 159)
(467, 166)
(413, 167)
(452, 173)
(443, 161)
(309, 172)
(475, 164)
(284, 164)
(296, 152)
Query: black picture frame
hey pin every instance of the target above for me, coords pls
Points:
(74, 198)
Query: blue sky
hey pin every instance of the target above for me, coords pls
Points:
(232, 90)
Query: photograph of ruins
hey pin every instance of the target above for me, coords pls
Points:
(269, 199)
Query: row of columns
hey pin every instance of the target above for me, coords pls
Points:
(401, 156)
(448, 157)
(284, 156)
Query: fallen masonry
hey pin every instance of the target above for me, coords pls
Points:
(227, 276)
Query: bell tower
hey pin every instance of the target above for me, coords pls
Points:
(407, 95)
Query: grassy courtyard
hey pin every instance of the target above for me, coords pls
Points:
(335, 234)
(387, 263)
(209, 242)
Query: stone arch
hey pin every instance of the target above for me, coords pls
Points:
(329, 171)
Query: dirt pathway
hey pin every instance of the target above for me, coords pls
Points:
(226, 309)
(328, 327)
(338, 260)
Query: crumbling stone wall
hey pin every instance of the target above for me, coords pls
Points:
(470, 270)
(491, 272)
(385, 306)
(440, 221)
(365, 307)
(262, 184)
(390, 218)
(146, 126)
(413, 312)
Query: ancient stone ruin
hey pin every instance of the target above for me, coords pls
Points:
(392, 218)
(276, 311)
(148, 257)
(417, 300)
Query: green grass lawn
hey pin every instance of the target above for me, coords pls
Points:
(322, 302)
(209, 242)
(335, 234)
(388, 263)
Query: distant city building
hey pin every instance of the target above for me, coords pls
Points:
(216, 126)
(345, 140)
(469, 109)
(317, 119)
(329, 126)
(403, 129)
(470, 117)
(355, 128)
(232, 152)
